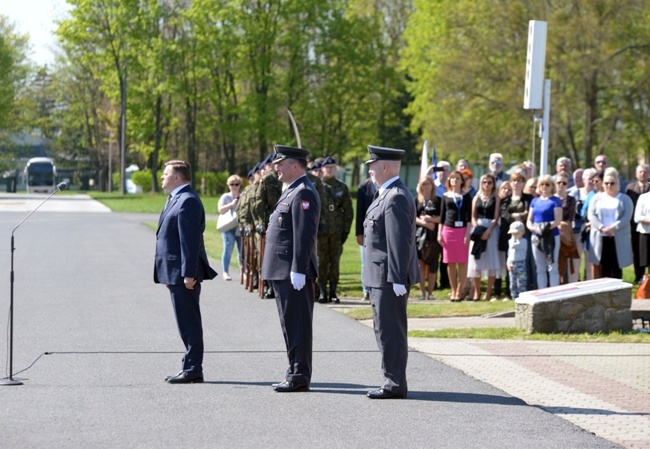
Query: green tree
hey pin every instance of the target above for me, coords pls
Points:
(14, 72)
(467, 59)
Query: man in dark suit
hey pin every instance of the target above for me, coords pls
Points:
(181, 263)
(365, 194)
(391, 266)
(290, 263)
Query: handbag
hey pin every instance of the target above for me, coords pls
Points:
(643, 292)
(227, 221)
(426, 245)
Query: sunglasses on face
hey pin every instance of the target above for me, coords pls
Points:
(609, 183)
(564, 183)
(603, 161)
(234, 184)
(545, 185)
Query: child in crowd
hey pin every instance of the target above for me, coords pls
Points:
(516, 262)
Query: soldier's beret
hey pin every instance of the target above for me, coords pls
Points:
(283, 152)
(329, 160)
(258, 167)
(251, 172)
(316, 165)
(384, 154)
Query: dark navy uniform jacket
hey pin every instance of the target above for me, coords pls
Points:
(291, 234)
(178, 257)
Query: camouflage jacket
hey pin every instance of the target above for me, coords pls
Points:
(267, 193)
(337, 214)
(243, 209)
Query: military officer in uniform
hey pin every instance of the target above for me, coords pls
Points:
(334, 230)
(267, 192)
(290, 264)
(391, 266)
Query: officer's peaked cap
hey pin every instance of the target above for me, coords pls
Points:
(283, 152)
(384, 154)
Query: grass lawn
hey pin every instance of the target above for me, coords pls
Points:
(440, 309)
(144, 203)
(510, 333)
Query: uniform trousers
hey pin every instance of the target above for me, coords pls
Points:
(296, 311)
(329, 257)
(190, 328)
(389, 318)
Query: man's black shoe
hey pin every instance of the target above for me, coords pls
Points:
(322, 298)
(173, 375)
(382, 394)
(287, 386)
(366, 296)
(269, 294)
(335, 299)
(186, 378)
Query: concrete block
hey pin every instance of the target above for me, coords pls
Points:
(601, 305)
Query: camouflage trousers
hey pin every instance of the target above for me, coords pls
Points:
(329, 257)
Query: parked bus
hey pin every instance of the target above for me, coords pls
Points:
(40, 175)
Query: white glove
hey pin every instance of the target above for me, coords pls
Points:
(297, 280)
(399, 289)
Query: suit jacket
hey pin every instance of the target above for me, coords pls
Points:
(365, 194)
(291, 235)
(389, 239)
(180, 251)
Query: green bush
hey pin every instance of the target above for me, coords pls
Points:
(215, 183)
(143, 179)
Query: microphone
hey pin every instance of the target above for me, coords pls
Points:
(62, 186)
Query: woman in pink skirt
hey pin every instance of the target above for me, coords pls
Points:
(453, 235)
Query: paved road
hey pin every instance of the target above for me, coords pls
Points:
(102, 336)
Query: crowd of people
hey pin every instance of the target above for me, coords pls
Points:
(527, 230)
(519, 232)
(253, 207)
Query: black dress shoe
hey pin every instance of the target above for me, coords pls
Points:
(287, 386)
(186, 378)
(382, 394)
(173, 375)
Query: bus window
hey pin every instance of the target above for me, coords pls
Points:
(40, 175)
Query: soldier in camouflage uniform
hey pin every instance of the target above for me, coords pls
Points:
(335, 222)
(267, 194)
(245, 218)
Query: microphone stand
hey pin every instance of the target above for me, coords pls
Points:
(10, 380)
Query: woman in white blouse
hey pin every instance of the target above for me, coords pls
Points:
(610, 239)
(642, 219)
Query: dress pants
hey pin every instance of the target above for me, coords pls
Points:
(389, 317)
(188, 319)
(296, 311)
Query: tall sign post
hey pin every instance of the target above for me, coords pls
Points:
(537, 92)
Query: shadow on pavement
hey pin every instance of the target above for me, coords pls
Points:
(438, 396)
(587, 411)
